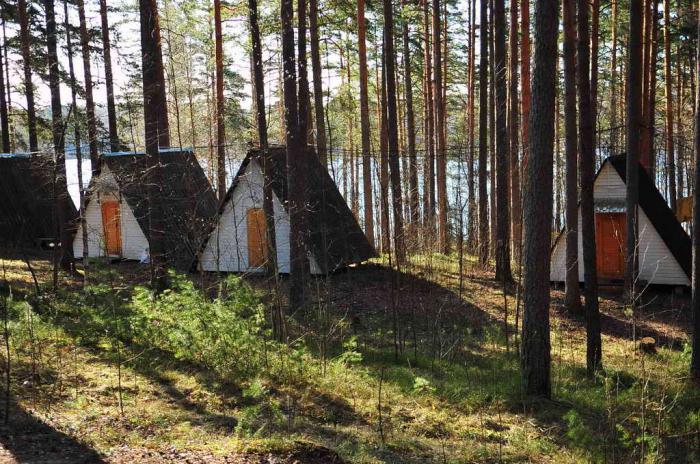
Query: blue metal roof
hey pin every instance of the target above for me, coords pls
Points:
(15, 155)
(142, 153)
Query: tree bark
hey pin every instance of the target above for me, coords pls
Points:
(220, 128)
(651, 94)
(535, 358)
(25, 46)
(76, 136)
(595, 31)
(503, 269)
(296, 160)
(587, 162)
(150, 46)
(513, 128)
(668, 86)
(472, 214)
(695, 359)
(525, 76)
(572, 297)
(319, 119)
(483, 134)
(614, 132)
(644, 153)
(89, 101)
(429, 168)
(4, 116)
(365, 127)
(384, 161)
(109, 80)
(439, 113)
(413, 199)
(64, 258)
(303, 84)
(261, 123)
(634, 132)
(392, 131)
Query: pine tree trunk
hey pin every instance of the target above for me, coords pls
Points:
(513, 128)
(296, 160)
(651, 95)
(7, 75)
(440, 155)
(668, 86)
(76, 136)
(89, 101)
(503, 270)
(392, 132)
(319, 119)
(483, 134)
(384, 161)
(303, 85)
(644, 150)
(614, 132)
(109, 80)
(61, 198)
(587, 162)
(572, 297)
(261, 123)
(413, 193)
(525, 77)
(429, 170)
(220, 128)
(150, 45)
(4, 117)
(492, 133)
(695, 359)
(25, 46)
(595, 31)
(472, 218)
(535, 358)
(364, 122)
(634, 132)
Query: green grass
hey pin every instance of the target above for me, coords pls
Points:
(456, 398)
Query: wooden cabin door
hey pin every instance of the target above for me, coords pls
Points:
(611, 239)
(111, 222)
(257, 237)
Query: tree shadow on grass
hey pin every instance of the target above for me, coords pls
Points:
(31, 440)
(651, 319)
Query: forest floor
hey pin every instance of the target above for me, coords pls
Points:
(410, 367)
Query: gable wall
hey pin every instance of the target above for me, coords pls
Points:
(656, 263)
(227, 246)
(134, 241)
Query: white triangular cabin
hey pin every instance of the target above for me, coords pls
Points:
(238, 240)
(112, 228)
(664, 247)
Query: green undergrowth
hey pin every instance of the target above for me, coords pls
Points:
(115, 365)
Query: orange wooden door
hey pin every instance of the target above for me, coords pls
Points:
(257, 238)
(611, 239)
(111, 223)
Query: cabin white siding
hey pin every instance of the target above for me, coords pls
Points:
(656, 263)
(227, 246)
(134, 242)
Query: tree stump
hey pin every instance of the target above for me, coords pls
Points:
(647, 345)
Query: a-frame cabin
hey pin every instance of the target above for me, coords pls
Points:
(237, 242)
(117, 207)
(664, 246)
(27, 212)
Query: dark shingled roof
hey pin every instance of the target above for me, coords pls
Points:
(336, 238)
(27, 206)
(186, 198)
(659, 213)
